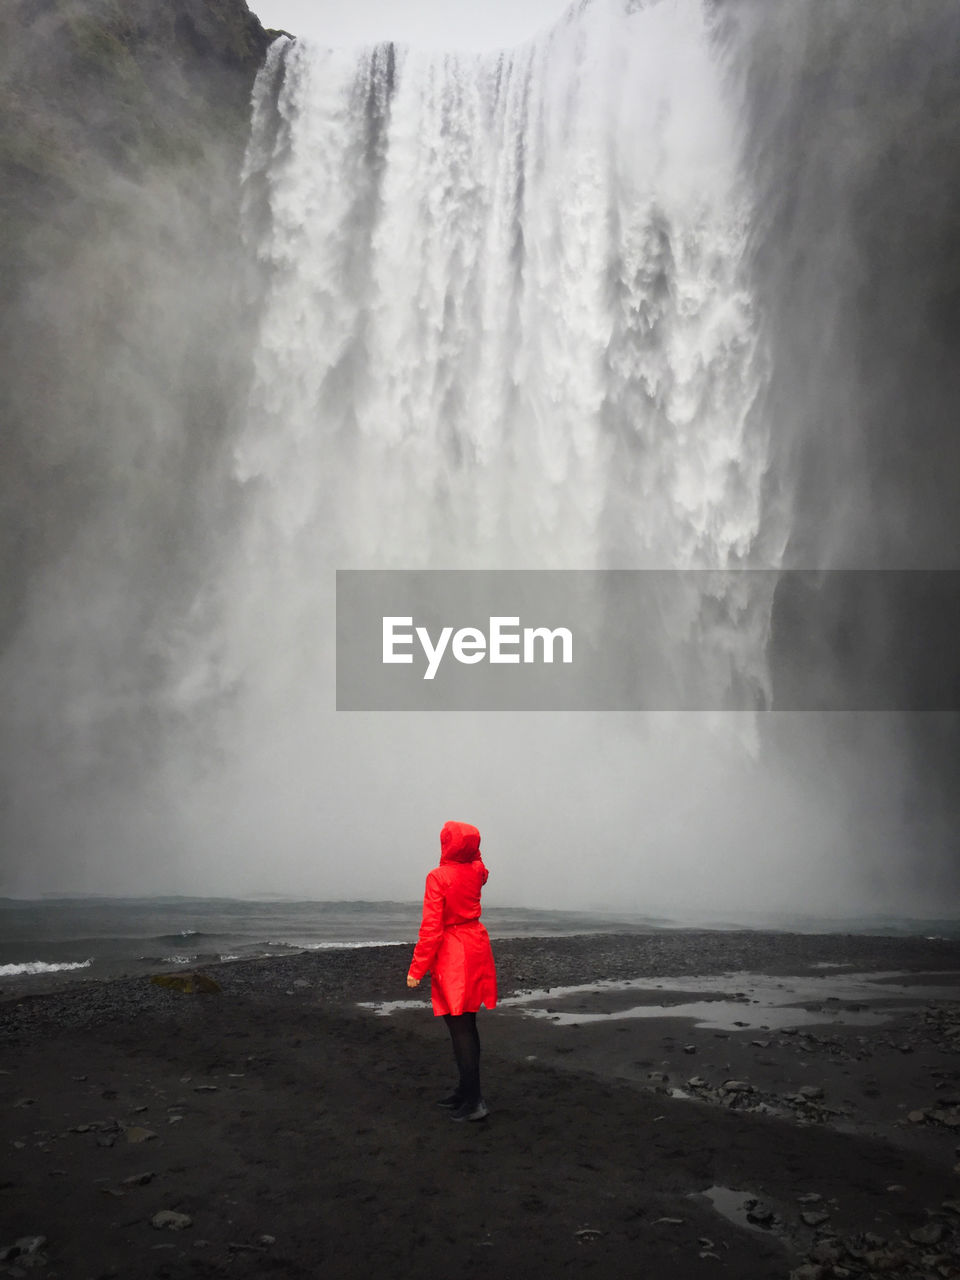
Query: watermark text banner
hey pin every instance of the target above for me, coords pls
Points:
(648, 640)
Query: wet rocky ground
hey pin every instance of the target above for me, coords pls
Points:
(278, 1128)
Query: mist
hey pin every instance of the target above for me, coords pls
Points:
(669, 286)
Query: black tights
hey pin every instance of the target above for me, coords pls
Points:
(466, 1050)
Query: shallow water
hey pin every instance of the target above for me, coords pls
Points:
(732, 1205)
(730, 1002)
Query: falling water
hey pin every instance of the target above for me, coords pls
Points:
(505, 319)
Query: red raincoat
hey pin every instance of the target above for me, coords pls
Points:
(453, 946)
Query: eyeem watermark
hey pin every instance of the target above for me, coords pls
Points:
(648, 640)
(469, 645)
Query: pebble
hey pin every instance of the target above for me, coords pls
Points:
(170, 1220)
(137, 1134)
(760, 1213)
(932, 1233)
(814, 1217)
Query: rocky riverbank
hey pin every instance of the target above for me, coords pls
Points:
(278, 1127)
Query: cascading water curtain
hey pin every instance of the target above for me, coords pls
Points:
(505, 319)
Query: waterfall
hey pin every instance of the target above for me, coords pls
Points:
(505, 319)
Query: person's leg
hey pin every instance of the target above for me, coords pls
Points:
(466, 1051)
(456, 1097)
(470, 1058)
(463, 1032)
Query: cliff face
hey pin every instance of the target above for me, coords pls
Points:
(94, 89)
(124, 127)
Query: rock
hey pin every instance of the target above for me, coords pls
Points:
(81, 1128)
(761, 1044)
(883, 1259)
(170, 1220)
(267, 1239)
(205, 1088)
(809, 1271)
(659, 1076)
(697, 1082)
(737, 1086)
(810, 1091)
(28, 1245)
(760, 1213)
(810, 1197)
(929, 1234)
(690, 1048)
(137, 1134)
(814, 1217)
(827, 1252)
(138, 1179)
(190, 984)
(25, 1102)
(952, 1206)
(917, 1117)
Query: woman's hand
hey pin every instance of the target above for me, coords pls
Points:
(412, 982)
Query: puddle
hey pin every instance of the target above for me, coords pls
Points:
(732, 1205)
(746, 1002)
(739, 1001)
(387, 1007)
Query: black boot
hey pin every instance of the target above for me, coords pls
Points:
(471, 1111)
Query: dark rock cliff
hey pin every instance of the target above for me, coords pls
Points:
(120, 148)
(93, 88)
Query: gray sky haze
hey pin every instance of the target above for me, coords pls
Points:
(446, 24)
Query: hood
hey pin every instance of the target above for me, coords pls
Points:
(459, 842)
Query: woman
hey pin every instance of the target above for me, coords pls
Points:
(454, 948)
